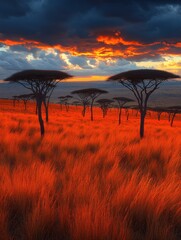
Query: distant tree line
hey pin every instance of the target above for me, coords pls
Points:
(142, 83)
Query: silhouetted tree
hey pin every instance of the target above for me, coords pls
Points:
(104, 105)
(65, 100)
(25, 98)
(90, 94)
(127, 112)
(61, 101)
(67, 103)
(41, 83)
(173, 110)
(121, 102)
(158, 110)
(15, 98)
(83, 97)
(142, 83)
(169, 115)
(46, 101)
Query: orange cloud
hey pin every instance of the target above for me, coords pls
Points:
(21, 41)
(35, 44)
(104, 47)
(135, 48)
(117, 39)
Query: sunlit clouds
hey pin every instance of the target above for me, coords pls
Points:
(94, 38)
(98, 60)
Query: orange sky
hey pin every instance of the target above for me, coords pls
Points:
(107, 50)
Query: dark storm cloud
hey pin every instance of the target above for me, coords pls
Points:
(54, 21)
(82, 36)
(14, 8)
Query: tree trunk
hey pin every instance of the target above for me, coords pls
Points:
(172, 119)
(25, 104)
(46, 109)
(83, 110)
(120, 110)
(159, 116)
(36, 110)
(142, 123)
(39, 108)
(67, 107)
(169, 116)
(91, 108)
(127, 116)
(104, 112)
(143, 112)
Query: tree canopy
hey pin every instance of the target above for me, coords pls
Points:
(90, 92)
(136, 76)
(38, 81)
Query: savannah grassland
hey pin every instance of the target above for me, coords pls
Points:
(88, 180)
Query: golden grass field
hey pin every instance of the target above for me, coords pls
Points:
(88, 180)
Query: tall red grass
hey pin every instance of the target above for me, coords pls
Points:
(88, 180)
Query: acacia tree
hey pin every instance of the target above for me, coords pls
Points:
(65, 100)
(159, 111)
(173, 110)
(61, 101)
(90, 94)
(169, 115)
(104, 105)
(121, 102)
(142, 83)
(41, 83)
(83, 98)
(127, 112)
(15, 98)
(25, 98)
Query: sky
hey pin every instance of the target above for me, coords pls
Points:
(90, 39)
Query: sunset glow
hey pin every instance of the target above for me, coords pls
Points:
(106, 50)
(116, 43)
(90, 120)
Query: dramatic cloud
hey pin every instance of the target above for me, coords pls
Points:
(92, 37)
